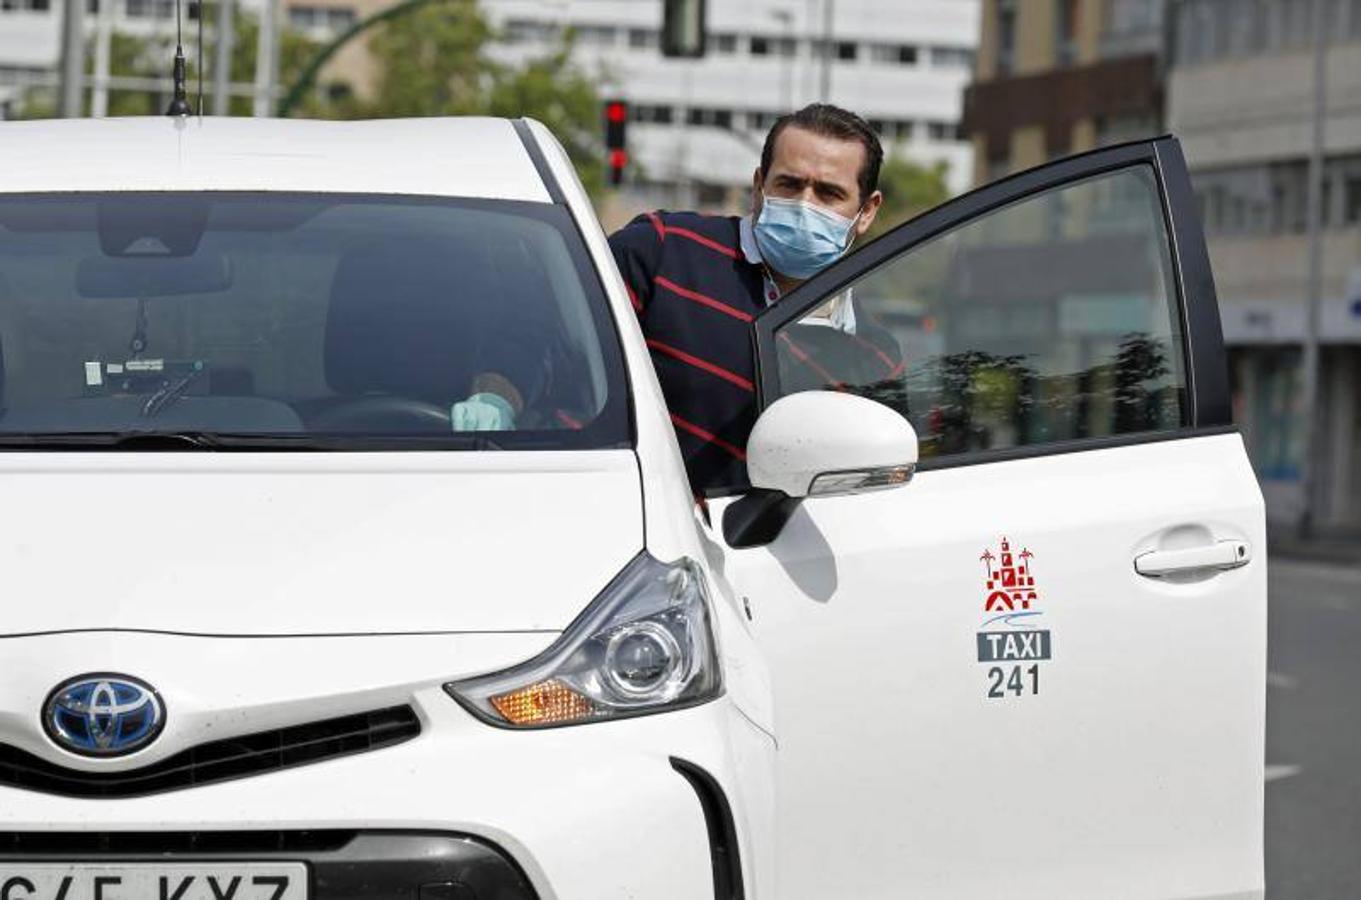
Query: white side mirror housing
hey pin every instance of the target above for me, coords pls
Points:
(818, 443)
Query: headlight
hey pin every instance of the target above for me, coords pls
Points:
(643, 646)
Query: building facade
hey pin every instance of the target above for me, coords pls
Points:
(1240, 95)
(31, 35)
(697, 125)
(1055, 77)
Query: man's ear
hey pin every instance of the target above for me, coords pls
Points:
(758, 183)
(868, 212)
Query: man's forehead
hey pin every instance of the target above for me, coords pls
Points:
(807, 154)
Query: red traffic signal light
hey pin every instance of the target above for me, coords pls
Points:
(616, 147)
(616, 120)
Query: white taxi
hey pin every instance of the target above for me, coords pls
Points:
(281, 619)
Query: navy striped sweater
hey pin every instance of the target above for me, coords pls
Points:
(696, 296)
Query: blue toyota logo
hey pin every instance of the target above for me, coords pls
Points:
(103, 715)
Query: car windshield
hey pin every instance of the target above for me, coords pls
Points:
(311, 321)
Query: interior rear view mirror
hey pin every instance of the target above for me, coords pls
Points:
(100, 277)
(817, 444)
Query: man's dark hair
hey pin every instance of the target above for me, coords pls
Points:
(833, 122)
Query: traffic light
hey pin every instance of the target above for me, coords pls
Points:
(684, 28)
(616, 133)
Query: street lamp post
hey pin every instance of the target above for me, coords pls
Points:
(826, 87)
(1313, 427)
(72, 58)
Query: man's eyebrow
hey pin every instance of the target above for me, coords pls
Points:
(830, 187)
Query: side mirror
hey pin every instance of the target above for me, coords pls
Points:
(817, 444)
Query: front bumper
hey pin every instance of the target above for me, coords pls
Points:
(342, 865)
(585, 813)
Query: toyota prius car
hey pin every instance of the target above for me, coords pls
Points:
(346, 549)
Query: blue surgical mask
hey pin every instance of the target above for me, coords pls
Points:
(799, 239)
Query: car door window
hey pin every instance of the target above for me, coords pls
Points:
(1052, 318)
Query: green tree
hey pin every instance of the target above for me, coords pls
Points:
(557, 93)
(909, 189)
(294, 52)
(434, 61)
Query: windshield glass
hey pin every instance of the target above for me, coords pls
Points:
(306, 320)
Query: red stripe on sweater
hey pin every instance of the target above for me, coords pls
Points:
(707, 436)
(568, 420)
(702, 298)
(700, 239)
(711, 368)
(802, 356)
(657, 224)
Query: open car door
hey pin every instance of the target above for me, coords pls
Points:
(1038, 669)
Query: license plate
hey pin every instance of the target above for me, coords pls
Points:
(153, 881)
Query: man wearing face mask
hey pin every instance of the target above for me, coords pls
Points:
(697, 282)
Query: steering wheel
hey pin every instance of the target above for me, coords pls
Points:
(381, 414)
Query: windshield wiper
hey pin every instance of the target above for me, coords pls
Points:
(168, 393)
(215, 441)
(110, 440)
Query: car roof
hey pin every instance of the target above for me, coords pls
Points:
(457, 157)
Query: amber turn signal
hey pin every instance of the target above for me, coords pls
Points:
(544, 703)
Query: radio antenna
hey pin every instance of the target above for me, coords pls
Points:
(179, 104)
(200, 58)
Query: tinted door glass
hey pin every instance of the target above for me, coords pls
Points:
(1050, 319)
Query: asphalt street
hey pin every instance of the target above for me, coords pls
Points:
(1313, 744)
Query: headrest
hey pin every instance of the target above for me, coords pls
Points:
(404, 319)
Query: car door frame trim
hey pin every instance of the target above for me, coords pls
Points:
(1207, 390)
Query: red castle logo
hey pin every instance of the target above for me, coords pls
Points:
(1010, 586)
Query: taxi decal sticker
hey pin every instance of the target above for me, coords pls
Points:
(1008, 637)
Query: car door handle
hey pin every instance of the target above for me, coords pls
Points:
(1219, 555)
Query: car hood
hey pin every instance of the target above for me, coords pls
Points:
(311, 543)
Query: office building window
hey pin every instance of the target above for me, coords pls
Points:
(847, 51)
(149, 9)
(1274, 198)
(1006, 36)
(529, 31)
(1351, 201)
(763, 45)
(719, 118)
(1066, 26)
(594, 35)
(644, 38)
(893, 54)
(1209, 30)
(653, 114)
(332, 18)
(724, 43)
(952, 57)
(943, 131)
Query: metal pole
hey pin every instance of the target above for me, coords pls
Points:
(72, 58)
(787, 69)
(99, 95)
(1310, 475)
(825, 91)
(222, 58)
(266, 67)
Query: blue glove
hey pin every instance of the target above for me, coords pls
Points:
(483, 412)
